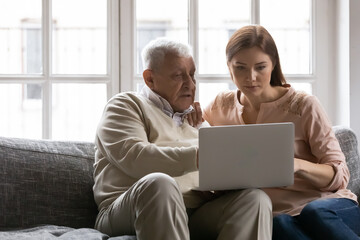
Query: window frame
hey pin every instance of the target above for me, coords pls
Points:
(46, 79)
(322, 62)
(121, 76)
(128, 38)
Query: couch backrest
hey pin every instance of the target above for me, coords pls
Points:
(46, 182)
(349, 145)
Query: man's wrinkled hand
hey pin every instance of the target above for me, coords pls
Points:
(195, 117)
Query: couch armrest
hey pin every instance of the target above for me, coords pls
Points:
(349, 145)
(46, 182)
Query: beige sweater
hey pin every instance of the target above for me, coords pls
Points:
(135, 138)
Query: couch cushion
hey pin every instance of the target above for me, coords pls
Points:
(46, 182)
(349, 146)
(51, 232)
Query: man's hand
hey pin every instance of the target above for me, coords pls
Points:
(195, 118)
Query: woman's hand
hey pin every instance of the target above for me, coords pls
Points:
(195, 118)
(320, 175)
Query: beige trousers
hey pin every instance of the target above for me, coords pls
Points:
(153, 209)
(241, 215)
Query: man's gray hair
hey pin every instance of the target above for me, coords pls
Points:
(154, 52)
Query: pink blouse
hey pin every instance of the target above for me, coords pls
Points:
(314, 141)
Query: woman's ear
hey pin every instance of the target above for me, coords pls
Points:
(148, 78)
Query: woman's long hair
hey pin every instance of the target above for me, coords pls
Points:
(257, 36)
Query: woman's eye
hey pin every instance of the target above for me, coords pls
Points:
(240, 67)
(261, 67)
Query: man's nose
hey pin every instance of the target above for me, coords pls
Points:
(189, 80)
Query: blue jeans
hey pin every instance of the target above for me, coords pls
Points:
(335, 218)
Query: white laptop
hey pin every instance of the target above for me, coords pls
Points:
(246, 156)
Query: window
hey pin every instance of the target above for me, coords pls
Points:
(59, 63)
(195, 22)
(60, 60)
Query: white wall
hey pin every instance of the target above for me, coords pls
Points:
(342, 81)
(354, 7)
(347, 65)
(324, 87)
(340, 90)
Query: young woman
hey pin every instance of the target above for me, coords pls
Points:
(317, 205)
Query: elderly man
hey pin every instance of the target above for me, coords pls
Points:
(146, 163)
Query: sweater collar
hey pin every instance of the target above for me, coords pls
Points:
(164, 105)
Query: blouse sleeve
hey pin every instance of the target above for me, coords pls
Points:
(222, 110)
(323, 143)
(207, 113)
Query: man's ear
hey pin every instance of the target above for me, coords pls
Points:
(148, 78)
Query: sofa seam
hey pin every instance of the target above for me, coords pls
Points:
(53, 153)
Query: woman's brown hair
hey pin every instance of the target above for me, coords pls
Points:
(257, 36)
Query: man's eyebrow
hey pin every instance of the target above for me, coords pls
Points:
(177, 69)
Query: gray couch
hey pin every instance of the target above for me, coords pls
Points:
(46, 187)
